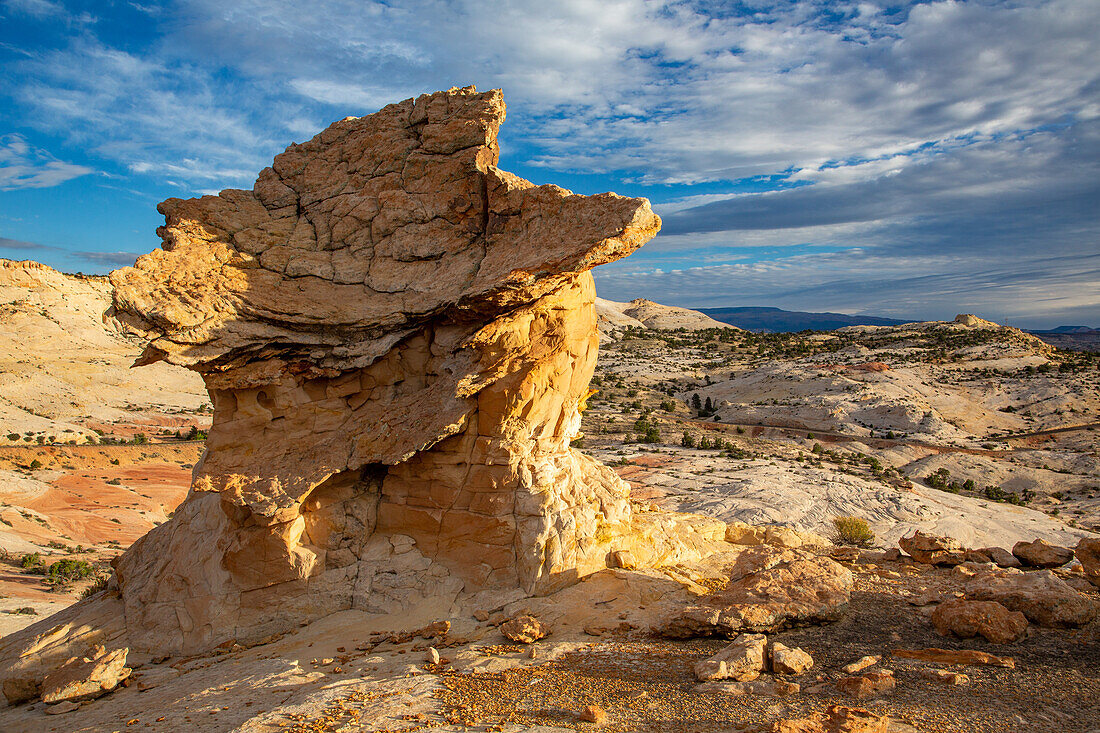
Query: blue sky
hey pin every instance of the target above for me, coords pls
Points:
(913, 160)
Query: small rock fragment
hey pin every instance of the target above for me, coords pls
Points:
(594, 714)
(524, 629)
(623, 559)
(863, 687)
(945, 676)
(861, 664)
(432, 655)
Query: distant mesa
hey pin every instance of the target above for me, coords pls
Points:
(776, 320)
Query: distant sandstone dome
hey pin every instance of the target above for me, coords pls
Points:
(398, 338)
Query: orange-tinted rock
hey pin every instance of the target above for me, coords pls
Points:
(989, 619)
(865, 686)
(792, 588)
(837, 719)
(742, 660)
(1040, 554)
(86, 678)
(1040, 595)
(965, 657)
(1088, 552)
(524, 629)
(932, 549)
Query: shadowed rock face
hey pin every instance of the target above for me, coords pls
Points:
(398, 338)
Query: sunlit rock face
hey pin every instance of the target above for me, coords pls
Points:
(398, 338)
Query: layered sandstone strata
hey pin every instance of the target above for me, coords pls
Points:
(398, 338)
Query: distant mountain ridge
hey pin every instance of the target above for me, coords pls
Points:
(777, 320)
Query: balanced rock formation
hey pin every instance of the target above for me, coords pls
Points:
(397, 337)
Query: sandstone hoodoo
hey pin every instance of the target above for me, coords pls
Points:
(398, 339)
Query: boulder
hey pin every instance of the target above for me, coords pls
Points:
(594, 714)
(85, 678)
(1042, 596)
(988, 619)
(742, 660)
(932, 549)
(837, 719)
(800, 588)
(1088, 552)
(524, 629)
(1040, 554)
(1000, 556)
(782, 659)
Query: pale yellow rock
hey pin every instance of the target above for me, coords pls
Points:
(397, 337)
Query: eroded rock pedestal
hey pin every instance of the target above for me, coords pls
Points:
(398, 338)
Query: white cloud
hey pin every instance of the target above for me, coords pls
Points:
(24, 166)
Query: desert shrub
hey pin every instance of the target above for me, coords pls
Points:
(13, 436)
(652, 435)
(100, 583)
(577, 442)
(668, 406)
(65, 571)
(688, 440)
(32, 561)
(853, 531)
(36, 464)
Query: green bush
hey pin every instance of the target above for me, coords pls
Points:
(688, 440)
(31, 561)
(853, 531)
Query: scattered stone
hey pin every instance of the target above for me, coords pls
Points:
(861, 664)
(866, 686)
(966, 657)
(785, 660)
(925, 598)
(837, 719)
(594, 714)
(85, 678)
(945, 676)
(801, 590)
(1040, 554)
(433, 655)
(62, 707)
(1000, 556)
(524, 629)
(844, 554)
(932, 549)
(1042, 596)
(892, 554)
(1088, 552)
(742, 660)
(989, 619)
(481, 615)
(436, 628)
